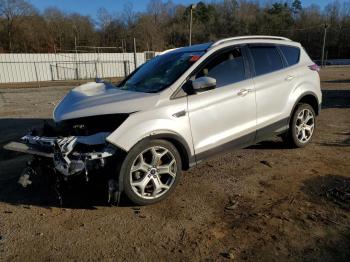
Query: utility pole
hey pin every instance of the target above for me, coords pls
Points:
(324, 44)
(135, 58)
(76, 58)
(58, 76)
(193, 6)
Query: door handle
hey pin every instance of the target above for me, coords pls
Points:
(243, 92)
(289, 78)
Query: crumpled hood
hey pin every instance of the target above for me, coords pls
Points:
(93, 99)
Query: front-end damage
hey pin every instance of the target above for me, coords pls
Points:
(68, 159)
(69, 152)
(75, 144)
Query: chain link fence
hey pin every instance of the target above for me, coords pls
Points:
(35, 70)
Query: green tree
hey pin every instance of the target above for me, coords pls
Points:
(296, 7)
(278, 19)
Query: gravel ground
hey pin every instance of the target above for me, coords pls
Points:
(263, 203)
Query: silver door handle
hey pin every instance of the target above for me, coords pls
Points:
(289, 78)
(243, 92)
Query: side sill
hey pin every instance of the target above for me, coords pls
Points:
(241, 142)
(274, 129)
(264, 133)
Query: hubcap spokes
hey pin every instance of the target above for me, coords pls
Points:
(305, 125)
(153, 172)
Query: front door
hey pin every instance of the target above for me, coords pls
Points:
(224, 117)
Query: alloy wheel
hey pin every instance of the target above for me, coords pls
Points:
(153, 172)
(304, 125)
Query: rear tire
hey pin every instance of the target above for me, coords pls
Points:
(301, 127)
(151, 170)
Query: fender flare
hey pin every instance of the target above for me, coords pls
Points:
(301, 97)
(178, 141)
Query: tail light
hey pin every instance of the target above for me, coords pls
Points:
(314, 67)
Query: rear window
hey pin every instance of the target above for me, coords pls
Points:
(291, 53)
(266, 59)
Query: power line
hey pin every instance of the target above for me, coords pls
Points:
(298, 29)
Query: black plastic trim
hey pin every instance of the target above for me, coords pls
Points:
(302, 96)
(271, 130)
(91, 124)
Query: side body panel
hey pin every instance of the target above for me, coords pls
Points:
(272, 93)
(166, 117)
(304, 82)
(221, 115)
(278, 92)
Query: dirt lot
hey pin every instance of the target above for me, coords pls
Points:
(263, 203)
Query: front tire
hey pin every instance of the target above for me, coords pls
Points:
(150, 171)
(301, 127)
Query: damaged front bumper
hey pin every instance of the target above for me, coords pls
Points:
(67, 154)
(70, 155)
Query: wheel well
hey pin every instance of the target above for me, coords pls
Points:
(181, 146)
(182, 151)
(311, 100)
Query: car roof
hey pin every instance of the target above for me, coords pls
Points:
(209, 45)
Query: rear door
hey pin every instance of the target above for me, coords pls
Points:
(271, 87)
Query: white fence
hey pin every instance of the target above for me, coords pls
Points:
(19, 68)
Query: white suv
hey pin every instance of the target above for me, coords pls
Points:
(179, 108)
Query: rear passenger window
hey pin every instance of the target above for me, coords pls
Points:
(266, 59)
(227, 68)
(291, 54)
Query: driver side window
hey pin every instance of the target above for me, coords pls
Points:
(227, 68)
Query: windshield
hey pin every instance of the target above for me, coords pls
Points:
(160, 72)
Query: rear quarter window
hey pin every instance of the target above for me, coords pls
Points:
(291, 53)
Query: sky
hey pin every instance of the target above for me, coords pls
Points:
(90, 7)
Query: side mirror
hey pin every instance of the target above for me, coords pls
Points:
(203, 83)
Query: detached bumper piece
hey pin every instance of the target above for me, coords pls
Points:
(27, 149)
(71, 155)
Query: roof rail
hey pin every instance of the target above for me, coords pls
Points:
(250, 37)
(168, 50)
